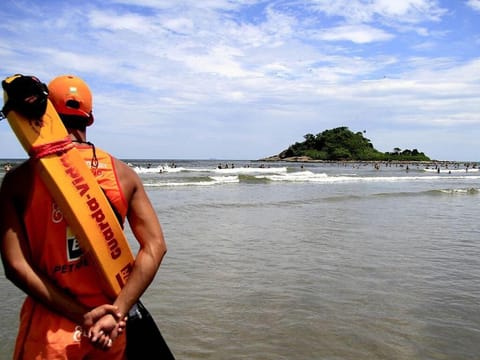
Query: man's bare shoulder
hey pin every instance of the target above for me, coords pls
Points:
(128, 178)
(18, 181)
(19, 174)
(125, 171)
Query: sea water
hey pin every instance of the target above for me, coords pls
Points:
(310, 261)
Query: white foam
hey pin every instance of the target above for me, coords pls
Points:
(302, 176)
(451, 171)
(213, 180)
(252, 170)
(157, 169)
(230, 171)
(307, 176)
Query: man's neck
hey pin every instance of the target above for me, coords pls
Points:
(77, 135)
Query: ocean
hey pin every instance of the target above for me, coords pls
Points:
(307, 261)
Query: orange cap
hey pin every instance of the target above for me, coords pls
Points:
(70, 95)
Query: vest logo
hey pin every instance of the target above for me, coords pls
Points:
(57, 215)
(74, 252)
(78, 333)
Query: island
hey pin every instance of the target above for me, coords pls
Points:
(341, 144)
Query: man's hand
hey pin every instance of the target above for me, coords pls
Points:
(104, 332)
(95, 314)
(103, 324)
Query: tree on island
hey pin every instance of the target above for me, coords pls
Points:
(342, 144)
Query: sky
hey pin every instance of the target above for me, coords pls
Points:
(245, 79)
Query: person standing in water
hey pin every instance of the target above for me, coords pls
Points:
(66, 314)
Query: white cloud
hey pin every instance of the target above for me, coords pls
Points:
(222, 71)
(119, 22)
(411, 11)
(179, 25)
(359, 34)
(220, 60)
(362, 11)
(474, 4)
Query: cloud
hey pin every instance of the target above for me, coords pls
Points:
(244, 79)
(474, 4)
(359, 34)
(361, 11)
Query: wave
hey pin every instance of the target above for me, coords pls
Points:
(300, 176)
(160, 169)
(297, 177)
(157, 169)
(308, 176)
(252, 170)
(432, 192)
(252, 179)
(402, 194)
(206, 181)
(451, 171)
(274, 202)
(468, 191)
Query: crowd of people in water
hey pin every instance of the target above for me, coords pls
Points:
(442, 166)
(232, 166)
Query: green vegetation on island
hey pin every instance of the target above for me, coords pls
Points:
(341, 144)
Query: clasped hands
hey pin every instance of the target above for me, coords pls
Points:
(103, 324)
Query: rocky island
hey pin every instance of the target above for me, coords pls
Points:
(341, 144)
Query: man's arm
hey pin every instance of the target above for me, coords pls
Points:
(148, 232)
(14, 251)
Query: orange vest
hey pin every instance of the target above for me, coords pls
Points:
(54, 249)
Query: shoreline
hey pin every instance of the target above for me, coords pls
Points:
(306, 159)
